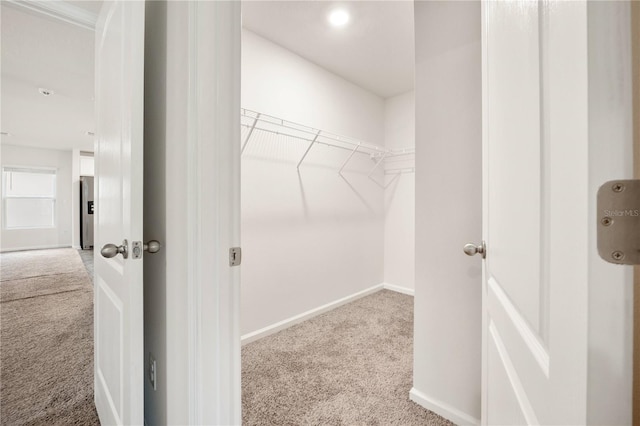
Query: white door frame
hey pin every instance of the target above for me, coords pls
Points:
(213, 206)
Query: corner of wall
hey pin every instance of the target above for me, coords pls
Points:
(445, 410)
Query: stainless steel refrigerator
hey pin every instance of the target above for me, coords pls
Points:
(86, 212)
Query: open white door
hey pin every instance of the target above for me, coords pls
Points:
(536, 223)
(118, 302)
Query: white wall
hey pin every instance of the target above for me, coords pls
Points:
(447, 343)
(610, 359)
(278, 82)
(87, 165)
(312, 237)
(60, 235)
(399, 203)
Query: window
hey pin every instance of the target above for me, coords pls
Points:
(28, 197)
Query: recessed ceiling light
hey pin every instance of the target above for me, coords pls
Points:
(339, 17)
(45, 92)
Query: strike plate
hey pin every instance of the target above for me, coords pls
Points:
(235, 256)
(619, 222)
(136, 249)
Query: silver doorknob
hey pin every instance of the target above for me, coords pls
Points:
(152, 246)
(112, 250)
(472, 249)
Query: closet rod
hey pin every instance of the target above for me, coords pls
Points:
(269, 119)
(397, 153)
(399, 171)
(275, 132)
(268, 123)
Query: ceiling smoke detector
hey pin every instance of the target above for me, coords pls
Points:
(45, 92)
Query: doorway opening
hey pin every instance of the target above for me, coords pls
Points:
(46, 291)
(327, 186)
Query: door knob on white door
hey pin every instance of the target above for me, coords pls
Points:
(152, 246)
(472, 249)
(112, 250)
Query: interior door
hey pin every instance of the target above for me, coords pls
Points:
(535, 224)
(118, 300)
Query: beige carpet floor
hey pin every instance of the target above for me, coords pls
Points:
(46, 339)
(349, 366)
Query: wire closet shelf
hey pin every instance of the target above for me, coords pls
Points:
(253, 120)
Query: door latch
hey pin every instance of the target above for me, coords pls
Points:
(619, 222)
(151, 247)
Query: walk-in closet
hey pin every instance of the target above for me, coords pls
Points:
(327, 164)
(327, 143)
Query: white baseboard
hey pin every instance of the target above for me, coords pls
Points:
(399, 289)
(274, 328)
(445, 410)
(7, 250)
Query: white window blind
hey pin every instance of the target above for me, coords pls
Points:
(28, 197)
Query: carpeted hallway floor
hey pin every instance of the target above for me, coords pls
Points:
(46, 339)
(349, 366)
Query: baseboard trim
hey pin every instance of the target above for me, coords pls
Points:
(398, 289)
(445, 410)
(274, 328)
(7, 250)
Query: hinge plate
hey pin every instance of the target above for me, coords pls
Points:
(619, 222)
(235, 256)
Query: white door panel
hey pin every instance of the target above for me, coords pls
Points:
(514, 134)
(118, 303)
(505, 407)
(535, 212)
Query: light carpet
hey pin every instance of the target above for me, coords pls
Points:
(350, 366)
(33, 263)
(46, 339)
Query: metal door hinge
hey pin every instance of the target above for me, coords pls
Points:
(619, 222)
(235, 256)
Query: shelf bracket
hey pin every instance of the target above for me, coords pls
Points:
(253, 126)
(348, 159)
(308, 149)
(382, 157)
